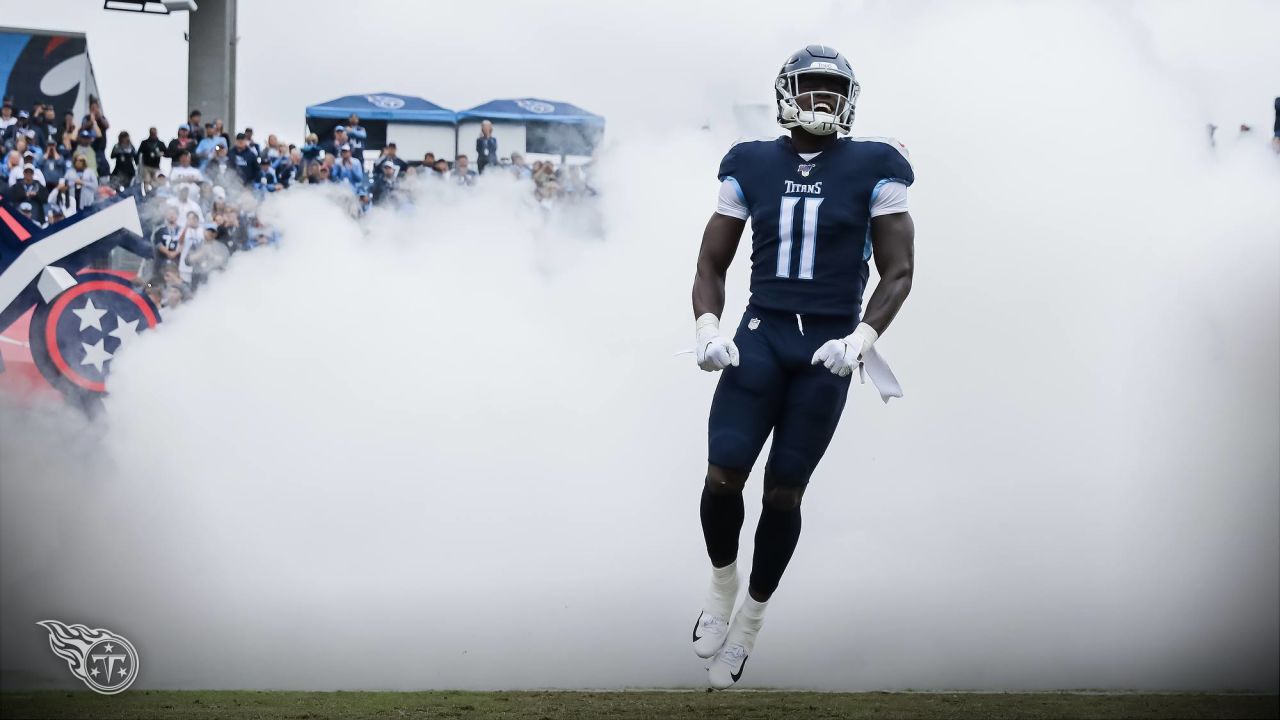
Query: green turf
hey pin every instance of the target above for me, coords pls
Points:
(744, 705)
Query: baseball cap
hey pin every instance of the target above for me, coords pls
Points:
(24, 114)
(184, 126)
(345, 147)
(28, 166)
(211, 226)
(219, 192)
(25, 206)
(341, 128)
(86, 133)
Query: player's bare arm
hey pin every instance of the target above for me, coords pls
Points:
(893, 239)
(719, 243)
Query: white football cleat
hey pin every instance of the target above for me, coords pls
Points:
(709, 632)
(727, 668)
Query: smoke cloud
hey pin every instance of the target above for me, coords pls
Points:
(451, 447)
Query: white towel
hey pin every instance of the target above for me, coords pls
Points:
(881, 376)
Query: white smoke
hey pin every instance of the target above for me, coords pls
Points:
(451, 447)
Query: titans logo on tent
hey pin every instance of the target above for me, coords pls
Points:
(75, 337)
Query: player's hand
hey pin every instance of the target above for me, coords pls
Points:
(843, 355)
(712, 350)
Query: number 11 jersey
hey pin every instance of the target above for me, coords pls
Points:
(811, 218)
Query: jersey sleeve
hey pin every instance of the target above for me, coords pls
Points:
(731, 202)
(889, 197)
(729, 165)
(896, 162)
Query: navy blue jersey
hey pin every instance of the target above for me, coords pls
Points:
(811, 220)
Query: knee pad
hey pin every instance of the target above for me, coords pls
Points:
(725, 481)
(783, 497)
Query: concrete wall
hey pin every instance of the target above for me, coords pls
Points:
(211, 61)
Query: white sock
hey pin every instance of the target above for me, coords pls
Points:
(723, 591)
(749, 619)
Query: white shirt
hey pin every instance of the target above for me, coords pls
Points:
(184, 208)
(180, 174)
(890, 198)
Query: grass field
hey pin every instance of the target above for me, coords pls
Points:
(552, 705)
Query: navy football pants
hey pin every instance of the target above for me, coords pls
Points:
(775, 389)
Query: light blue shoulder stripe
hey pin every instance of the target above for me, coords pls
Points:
(741, 198)
(866, 246)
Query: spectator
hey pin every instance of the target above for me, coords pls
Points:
(82, 182)
(429, 161)
(7, 118)
(125, 155)
(486, 146)
(248, 136)
(462, 172)
(185, 203)
(260, 234)
(389, 155)
(290, 169)
(28, 210)
(52, 166)
(194, 123)
(385, 182)
(519, 168)
(150, 152)
(311, 149)
(182, 143)
(59, 200)
(1275, 131)
(191, 234)
(182, 173)
(441, 167)
(347, 169)
(244, 160)
(356, 138)
(267, 181)
(29, 191)
(69, 128)
(21, 128)
(100, 124)
(334, 146)
(48, 125)
(165, 238)
(219, 170)
(175, 290)
(221, 131)
(207, 256)
(206, 147)
(162, 188)
(30, 153)
(17, 168)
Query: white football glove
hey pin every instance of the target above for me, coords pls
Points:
(843, 355)
(712, 350)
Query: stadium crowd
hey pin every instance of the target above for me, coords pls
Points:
(201, 189)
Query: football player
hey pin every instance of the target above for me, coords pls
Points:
(821, 207)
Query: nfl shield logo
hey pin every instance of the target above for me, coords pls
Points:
(805, 169)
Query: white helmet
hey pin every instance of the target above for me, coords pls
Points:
(831, 111)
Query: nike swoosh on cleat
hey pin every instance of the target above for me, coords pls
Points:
(742, 667)
(695, 626)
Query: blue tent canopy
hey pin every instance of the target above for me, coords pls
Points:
(532, 110)
(383, 106)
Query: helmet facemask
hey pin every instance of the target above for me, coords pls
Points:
(830, 111)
